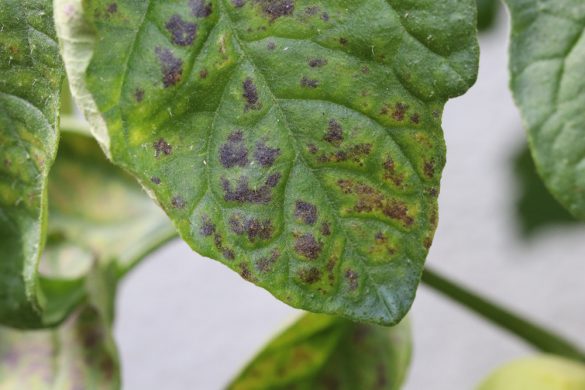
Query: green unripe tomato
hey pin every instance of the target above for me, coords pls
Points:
(537, 373)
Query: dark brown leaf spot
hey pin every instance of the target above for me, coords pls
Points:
(312, 10)
(331, 270)
(265, 155)
(155, 180)
(428, 241)
(317, 62)
(326, 229)
(310, 275)
(354, 153)
(200, 9)
(254, 228)
(399, 111)
(352, 279)
(250, 94)
(307, 246)
(238, 3)
(245, 272)
(370, 199)
(207, 227)
(433, 191)
(162, 147)
(271, 45)
(218, 241)
(309, 83)
(381, 238)
(234, 152)
(203, 73)
(325, 16)
(139, 95)
(415, 118)
(391, 174)
(265, 264)
(182, 32)
(312, 148)
(112, 8)
(307, 212)
(343, 41)
(243, 193)
(178, 202)
(275, 9)
(171, 66)
(334, 133)
(429, 169)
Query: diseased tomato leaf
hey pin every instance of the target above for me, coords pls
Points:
(31, 76)
(323, 352)
(547, 57)
(297, 142)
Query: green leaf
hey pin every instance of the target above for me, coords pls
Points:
(546, 372)
(79, 354)
(101, 224)
(487, 12)
(536, 208)
(298, 142)
(32, 74)
(547, 57)
(329, 352)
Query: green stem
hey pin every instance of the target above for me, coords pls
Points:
(539, 337)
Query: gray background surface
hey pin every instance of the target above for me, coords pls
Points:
(185, 322)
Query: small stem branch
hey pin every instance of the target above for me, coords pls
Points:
(539, 337)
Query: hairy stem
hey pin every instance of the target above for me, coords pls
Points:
(537, 336)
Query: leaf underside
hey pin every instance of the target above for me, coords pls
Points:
(297, 142)
(323, 352)
(547, 58)
(31, 76)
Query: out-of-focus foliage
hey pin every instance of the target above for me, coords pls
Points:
(324, 352)
(547, 58)
(487, 13)
(537, 373)
(536, 208)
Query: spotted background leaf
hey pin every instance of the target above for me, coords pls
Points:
(79, 354)
(101, 223)
(547, 58)
(298, 142)
(323, 352)
(31, 76)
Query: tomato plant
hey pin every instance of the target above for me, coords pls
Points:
(297, 142)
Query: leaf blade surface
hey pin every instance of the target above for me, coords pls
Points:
(299, 143)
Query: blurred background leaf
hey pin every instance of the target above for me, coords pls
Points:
(101, 223)
(78, 354)
(536, 208)
(546, 372)
(487, 12)
(325, 352)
